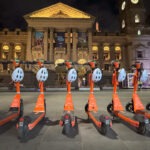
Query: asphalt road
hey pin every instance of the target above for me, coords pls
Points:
(48, 135)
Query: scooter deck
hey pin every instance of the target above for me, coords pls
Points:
(122, 115)
(95, 115)
(8, 116)
(35, 118)
(95, 118)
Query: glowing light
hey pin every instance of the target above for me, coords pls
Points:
(117, 48)
(106, 48)
(6, 47)
(82, 61)
(95, 48)
(18, 47)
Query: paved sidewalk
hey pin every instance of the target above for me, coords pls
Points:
(50, 136)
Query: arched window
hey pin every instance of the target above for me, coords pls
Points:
(137, 18)
(5, 51)
(123, 24)
(123, 5)
(139, 32)
(106, 55)
(117, 52)
(17, 52)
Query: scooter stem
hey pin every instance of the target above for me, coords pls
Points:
(41, 86)
(68, 87)
(115, 81)
(17, 84)
(91, 87)
(135, 81)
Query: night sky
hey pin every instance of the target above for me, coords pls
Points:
(105, 11)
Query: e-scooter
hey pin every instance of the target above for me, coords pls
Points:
(28, 123)
(68, 119)
(16, 107)
(115, 108)
(103, 123)
(136, 106)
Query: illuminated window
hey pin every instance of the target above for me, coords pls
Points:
(137, 18)
(106, 55)
(139, 32)
(95, 48)
(123, 24)
(5, 47)
(82, 61)
(139, 54)
(123, 5)
(117, 48)
(106, 48)
(18, 48)
(106, 67)
(117, 52)
(95, 56)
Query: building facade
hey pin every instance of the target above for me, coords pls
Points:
(60, 32)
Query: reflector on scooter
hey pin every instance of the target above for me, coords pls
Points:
(42, 75)
(72, 75)
(97, 75)
(122, 75)
(144, 76)
(17, 75)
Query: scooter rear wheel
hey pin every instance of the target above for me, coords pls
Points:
(104, 129)
(23, 130)
(142, 129)
(67, 125)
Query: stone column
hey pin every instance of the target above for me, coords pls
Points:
(0, 53)
(29, 44)
(74, 48)
(90, 44)
(23, 54)
(11, 52)
(112, 52)
(101, 54)
(68, 44)
(45, 43)
(124, 56)
(51, 48)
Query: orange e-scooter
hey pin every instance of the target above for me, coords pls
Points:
(68, 119)
(102, 122)
(136, 106)
(115, 108)
(28, 123)
(16, 107)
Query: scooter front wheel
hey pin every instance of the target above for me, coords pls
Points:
(129, 107)
(148, 106)
(86, 107)
(110, 108)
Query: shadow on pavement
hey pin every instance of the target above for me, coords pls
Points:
(110, 134)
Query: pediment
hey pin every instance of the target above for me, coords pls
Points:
(59, 10)
(139, 46)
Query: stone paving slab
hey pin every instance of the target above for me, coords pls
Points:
(50, 136)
